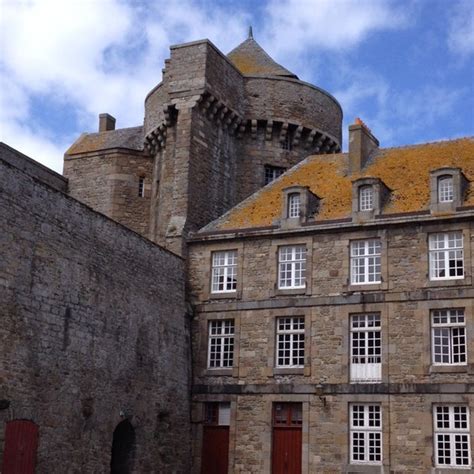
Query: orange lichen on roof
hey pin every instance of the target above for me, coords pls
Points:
(322, 174)
(406, 171)
(251, 59)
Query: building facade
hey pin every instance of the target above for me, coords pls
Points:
(330, 294)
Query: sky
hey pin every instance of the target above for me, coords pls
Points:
(406, 67)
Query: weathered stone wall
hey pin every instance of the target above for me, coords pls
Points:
(293, 100)
(93, 331)
(410, 382)
(108, 182)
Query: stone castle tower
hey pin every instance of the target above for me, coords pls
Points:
(213, 127)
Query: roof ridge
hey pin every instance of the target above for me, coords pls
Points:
(436, 142)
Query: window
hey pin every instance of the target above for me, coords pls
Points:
(292, 267)
(294, 205)
(366, 348)
(448, 328)
(272, 173)
(290, 342)
(366, 198)
(221, 344)
(365, 261)
(224, 271)
(287, 143)
(288, 414)
(446, 256)
(217, 414)
(452, 444)
(366, 434)
(141, 186)
(445, 189)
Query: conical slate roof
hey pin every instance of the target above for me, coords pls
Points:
(252, 60)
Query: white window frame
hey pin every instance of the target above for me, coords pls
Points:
(221, 344)
(224, 271)
(367, 428)
(366, 348)
(366, 262)
(292, 267)
(445, 188)
(366, 197)
(448, 337)
(294, 205)
(290, 342)
(446, 248)
(445, 418)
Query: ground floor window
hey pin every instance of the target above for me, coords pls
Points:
(366, 433)
(451, 436)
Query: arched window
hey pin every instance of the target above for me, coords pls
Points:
(123, 448)
(294, 205)
(445, 188)
(366, 198)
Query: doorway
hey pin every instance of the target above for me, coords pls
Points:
(287, 438)
(123, 448)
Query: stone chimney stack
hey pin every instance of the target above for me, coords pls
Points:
(106, 122)
(361, 144)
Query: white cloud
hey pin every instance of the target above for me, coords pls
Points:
(461, 28)
(92, 56)
(296, 25)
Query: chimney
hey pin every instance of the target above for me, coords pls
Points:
(361, 144)
(106, 122)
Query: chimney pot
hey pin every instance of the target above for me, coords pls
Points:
(106, 122)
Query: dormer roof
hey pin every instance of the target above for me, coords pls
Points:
(252, 60)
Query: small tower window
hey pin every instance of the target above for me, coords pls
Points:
(141, 187)
(366, 198)
(272, 173)
(287, 144)
(294, 205)
(445, 189)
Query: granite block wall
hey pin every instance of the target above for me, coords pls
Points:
(93, 332)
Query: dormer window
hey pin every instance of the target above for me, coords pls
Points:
(448, 187)
(294, 205)
(366, 198)
(445, 189)
(369, 195)
(299, 205)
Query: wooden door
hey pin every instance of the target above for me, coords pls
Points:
(287, 438)
(215, 439)
(21, 444)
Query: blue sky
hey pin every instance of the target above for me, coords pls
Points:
(405, 67)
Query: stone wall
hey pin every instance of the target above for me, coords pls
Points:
(93, 332)
(108, 182)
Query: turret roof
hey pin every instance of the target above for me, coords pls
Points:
(252, 60)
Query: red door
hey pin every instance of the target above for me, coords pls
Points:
(287, 436)
(215, 439)
(21, 442)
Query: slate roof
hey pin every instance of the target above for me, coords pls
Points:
(405, 170)
(252, 60)
(128, 138)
